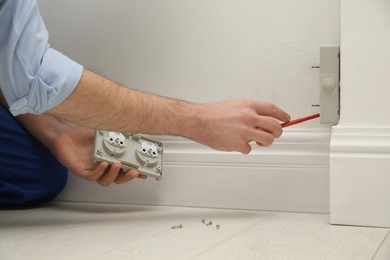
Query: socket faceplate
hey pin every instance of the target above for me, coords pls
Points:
(131, 150)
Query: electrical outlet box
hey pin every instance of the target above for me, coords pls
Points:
(329, 84)
(131, 150)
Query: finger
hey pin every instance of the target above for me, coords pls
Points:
(259, 144)
(93, 175)
(269, 109)
(141, 176)
(110, 175)
(245, 148)
(270, 125)
(262, 138)
(127, 176)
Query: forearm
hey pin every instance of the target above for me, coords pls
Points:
(229, 126)
(100, 103)
(43, 127)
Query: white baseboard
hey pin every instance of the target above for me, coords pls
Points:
(360, 176)
(291, 175)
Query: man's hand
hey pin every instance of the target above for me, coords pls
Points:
(73, 147)
(232, 125)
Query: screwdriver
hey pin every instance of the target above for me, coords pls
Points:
(300, 120)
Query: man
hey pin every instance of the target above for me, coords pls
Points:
(40, 86)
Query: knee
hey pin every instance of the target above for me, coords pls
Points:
(32, 188)
(29, 173)
(51, 183)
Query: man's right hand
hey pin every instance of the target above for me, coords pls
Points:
(232, 125)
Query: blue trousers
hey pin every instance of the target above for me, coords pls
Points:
(29, 174)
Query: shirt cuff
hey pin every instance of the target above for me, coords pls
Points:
(56, 79)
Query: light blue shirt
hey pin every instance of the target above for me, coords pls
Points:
(33, 77)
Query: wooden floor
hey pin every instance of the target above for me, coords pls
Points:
(101, 231)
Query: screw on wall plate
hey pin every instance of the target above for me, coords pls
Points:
(177, 226)
(217, 227)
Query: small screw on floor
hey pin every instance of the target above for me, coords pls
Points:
(177, 226)
(203, 221)
(217, 227)
(209, 223)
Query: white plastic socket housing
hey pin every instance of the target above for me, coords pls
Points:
(132, 151)
(329, 84)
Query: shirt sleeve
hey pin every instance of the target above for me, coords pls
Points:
(33, 77)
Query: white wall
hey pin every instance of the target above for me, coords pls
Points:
(365, 63)
(201, 50)
(360, 144)
(204, 51)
